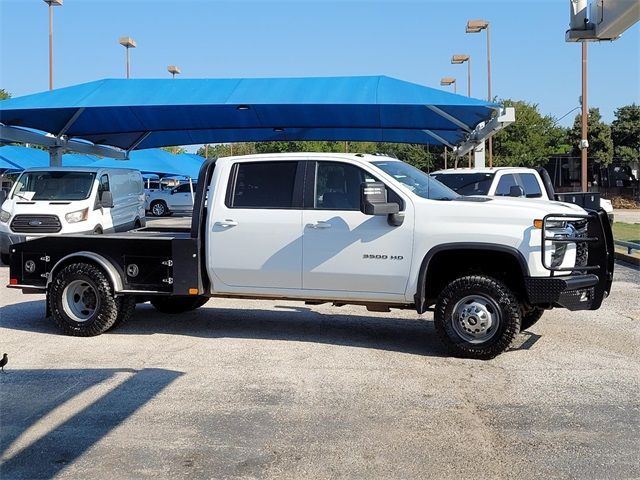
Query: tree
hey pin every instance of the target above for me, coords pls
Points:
(4, 94)
(530, 140)
(174, 150)
(625, 133)
(598, 135)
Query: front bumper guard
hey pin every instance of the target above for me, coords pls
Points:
(587, 285)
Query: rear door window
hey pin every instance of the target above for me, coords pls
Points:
(262, 185)
(530, 184)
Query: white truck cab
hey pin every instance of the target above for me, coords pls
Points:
(342, 229)
(63, 200)
(502, 182)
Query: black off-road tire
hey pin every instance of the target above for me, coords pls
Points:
(531, 317)
(178, 304)
(126, 309)
(106, 311)
(509, 310)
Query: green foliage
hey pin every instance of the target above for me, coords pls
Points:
(174, 150)
(4, 94)
(598, 135)
(625, 133)
(530, 140)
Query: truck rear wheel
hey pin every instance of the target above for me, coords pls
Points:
(178, 304)
(126, 309)
(531, 317)
(477, 317)
(82, 301)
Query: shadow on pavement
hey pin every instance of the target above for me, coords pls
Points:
(105, 398)
(289, 323)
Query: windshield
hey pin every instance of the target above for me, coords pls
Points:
(467, 183)
(54, 185)
(416, 180)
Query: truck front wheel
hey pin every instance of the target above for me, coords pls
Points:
(531, 317)
(178, 304)
(477, 317)
(82, 301)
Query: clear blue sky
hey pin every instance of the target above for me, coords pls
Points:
(410, 40)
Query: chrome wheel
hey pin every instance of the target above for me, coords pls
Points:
(79, 300)
(158, 209)
(476, 318)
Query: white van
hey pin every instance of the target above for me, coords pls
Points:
(52, 201)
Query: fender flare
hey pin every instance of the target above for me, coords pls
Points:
(420, 297)
(107, 266)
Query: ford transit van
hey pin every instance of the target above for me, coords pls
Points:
(56, 201)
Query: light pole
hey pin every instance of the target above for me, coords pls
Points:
(584, 143)
(173, 70)
(127, 43)
(476, 26)
(446, 81)
(458, 59)
(51, 3)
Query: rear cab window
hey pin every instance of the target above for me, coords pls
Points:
(262, 185)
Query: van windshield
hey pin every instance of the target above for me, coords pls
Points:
(55, 185)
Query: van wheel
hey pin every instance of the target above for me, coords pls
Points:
(178, 304)
(159, 208)
(82, 301)
(98, 230)
(531, 317)
(477, 317)
(126, 309)
(4, 258)
(137, 224)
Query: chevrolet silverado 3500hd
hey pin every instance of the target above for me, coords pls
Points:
(341, 228)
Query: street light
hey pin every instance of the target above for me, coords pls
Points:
(51, 3)
(458, 59)
(173, 70)
(446, 81)
(127, 43)
(476, 26)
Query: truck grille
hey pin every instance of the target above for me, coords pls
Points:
(36, 224)
(582, 248)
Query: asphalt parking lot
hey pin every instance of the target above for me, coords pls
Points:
(282, 390)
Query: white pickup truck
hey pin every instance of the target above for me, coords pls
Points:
(510, 182)
(339, 228)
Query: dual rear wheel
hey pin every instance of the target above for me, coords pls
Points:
(83, 304)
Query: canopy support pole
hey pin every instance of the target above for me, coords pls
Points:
(449, 117)
(71, 121)
(439, 138)
(138, 141)
(55, 156)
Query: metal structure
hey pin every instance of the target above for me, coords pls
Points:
(51, 3)
(127, 43)
(460, 59)
(447, 81)
(113, 117)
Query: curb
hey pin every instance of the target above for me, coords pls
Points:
(623, 257)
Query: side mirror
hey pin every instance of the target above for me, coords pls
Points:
(373, 200)
(3, 196)
(106, 199)
(173, 192)
(516, 191)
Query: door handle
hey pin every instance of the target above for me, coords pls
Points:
(226, 223)
(319, 225)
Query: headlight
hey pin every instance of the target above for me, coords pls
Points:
(4, 216)
(77, 216)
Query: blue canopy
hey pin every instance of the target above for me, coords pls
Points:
(155, 161)
(139, 114)
(149, 161)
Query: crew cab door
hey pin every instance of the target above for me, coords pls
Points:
(255, 229)
(344, 249)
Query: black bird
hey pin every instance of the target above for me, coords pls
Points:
(4, 361)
